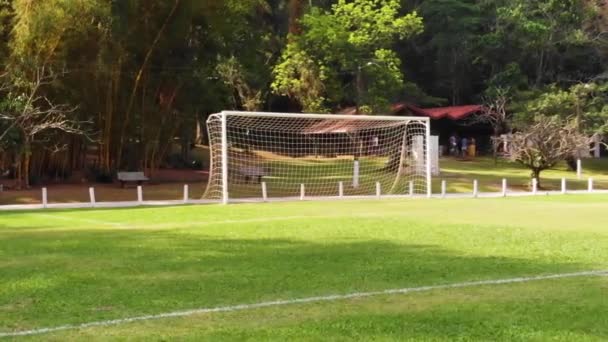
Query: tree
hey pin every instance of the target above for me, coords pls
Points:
(586, 102)
(548, 141)
(232, 75)
(452, 28)
(299, 77)
(494, 113)
(341, 48)
(28, 114)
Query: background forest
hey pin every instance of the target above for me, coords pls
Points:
(100, 85)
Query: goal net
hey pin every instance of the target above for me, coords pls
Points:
(263, 156)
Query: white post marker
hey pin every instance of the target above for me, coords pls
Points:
(341, 189)
(534, 186)
(186, 193)
(579, 169)
(45, 201)
(504, 187)
(411, 189)
(475, 188)
(443, 188)
(302, 192)
(590, 185)
(356, 174)
(92, 196)
(564, 186)
(378, 190)
(140, 194)
(264, 192)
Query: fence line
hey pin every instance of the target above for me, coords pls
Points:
(140, 202)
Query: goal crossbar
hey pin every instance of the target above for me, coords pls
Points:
(327, 116)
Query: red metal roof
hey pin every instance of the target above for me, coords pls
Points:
(452, 113)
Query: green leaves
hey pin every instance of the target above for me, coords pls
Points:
(587, 103)
(299, 77)
(344, 53)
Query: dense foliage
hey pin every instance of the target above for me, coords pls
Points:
(143, 74)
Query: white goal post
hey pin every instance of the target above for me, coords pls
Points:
(258, 156)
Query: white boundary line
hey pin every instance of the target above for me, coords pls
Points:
(75, 219)
(329, 298)
(180, 225)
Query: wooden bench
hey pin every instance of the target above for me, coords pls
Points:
(131, 177)
(255, 173)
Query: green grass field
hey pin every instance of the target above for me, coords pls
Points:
(73, 267)
(459, 175)
(285, 177)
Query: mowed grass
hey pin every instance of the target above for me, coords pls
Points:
(460, 174)
(72, 267)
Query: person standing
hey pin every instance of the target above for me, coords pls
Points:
(453, 145)
(472, 148)
(464, 146)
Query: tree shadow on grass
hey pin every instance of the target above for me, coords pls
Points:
(56, 278)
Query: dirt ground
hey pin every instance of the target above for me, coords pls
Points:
(165, 185)
(72, 193)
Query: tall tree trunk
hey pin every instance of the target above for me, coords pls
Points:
(540, 68)
(106, 132)
(19, 170)
(535, 175)
(198, 137)
(111, 99)
(495, 145)
(296, 11)
(27, 155)
(138, 78)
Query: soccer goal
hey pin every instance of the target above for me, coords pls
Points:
(271, 156)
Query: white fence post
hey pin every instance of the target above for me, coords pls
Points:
(475, 188)
(534, 186)
(443, 188)
(378, 190)
(411, 189)
(579, 169)
(186, 193)
(590, 185)
(302, 192)
(341, 189)
(564, 186)
(45, 201)
(92, 196)
(140, 194)
(504, 187)
(264, 192)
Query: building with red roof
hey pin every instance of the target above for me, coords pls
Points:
(446, 121)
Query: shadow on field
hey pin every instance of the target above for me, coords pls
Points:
(59, 277)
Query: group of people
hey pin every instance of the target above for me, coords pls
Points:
(464, 147)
